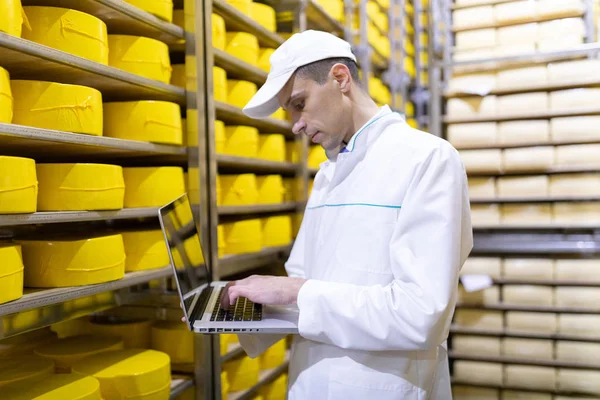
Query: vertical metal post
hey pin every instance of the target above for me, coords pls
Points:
(435, 48)
(588, 19)
(418, 95)
(364, 49)
(448, 41)
(403, 80)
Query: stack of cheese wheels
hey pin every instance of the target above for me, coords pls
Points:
(152, 186)
(239, 190)
(243, 236)
(241, 141)
(129, 374)
(145, 250)
(276, 230)
(135, 333)
(18, 185)
(66, 352)
(67, 30)
(25, 369)
(63, 386)
(270, 189)
(147, 120)
(11, 272)
(49, 105)
(74, 187)
(141, 56)
(163, 9)
(73, 262)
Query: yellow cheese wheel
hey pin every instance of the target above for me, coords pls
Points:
(55, 387)
(24, 369)
(264, 59)
(191, 73)
(316, 156)
(276, 390)
(18, 185)
(189, 10)
(193, 251)
(70, 187)
(274, 356)
(163, 9)
(270, 189)
(293, 151)
(241, 141)
(224, 385)
(67, 30)
(152, 186)
(12, 18)
(271, 147)
(239, 190)
(243, 46)
(50, 105)
(243, 236)
(192, 127)
(220, 137)
(277, 230)
(281, 114)
(62, 263)
(220, 84)
(147, 120)
(243, 6)
(239, 93)
(66, 352)
(11, 273)
(218, 32)
(174, 339)
(145, 250)
(129, 374)
(6, 100)
(242, 373)
(72, 327)
(135, 333)
(194, 186)
(178, 75)
(141, 56)
(335, 8)
(264, 15)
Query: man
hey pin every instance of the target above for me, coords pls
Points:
(374, 269)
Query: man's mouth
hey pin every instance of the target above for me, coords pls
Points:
(315, 137)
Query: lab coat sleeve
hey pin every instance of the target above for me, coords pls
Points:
(430, 242)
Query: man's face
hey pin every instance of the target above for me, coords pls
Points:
(318, 111)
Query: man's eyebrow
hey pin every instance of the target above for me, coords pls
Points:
(292, 98)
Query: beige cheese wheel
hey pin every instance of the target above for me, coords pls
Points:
(476, 39)
(534, 159)
(518, 34)
(580, 297)
(573, 99)
(578, 380)
(578, 155)
(521, 77)
(515, 12)
(488, 296)
(478, 372)
(488, 160)
(482, 214)
(575, 128)
(528, 348)
(472, 106)
(528, 268)
(520, 103)
(579, 325)
(576, 213)
(573, 71)
(528, 295)
(515, 49)
(482, 188)
(560, 28)
(473, 17)
(562, 43)
(528, 377)
(476, 345)
(477, 134)
(522, 186)
(559, 8)
(577, 270)
(469, 55)
(515, 395)
(579, 352)
(525, 214)
(482, 266)
(474, 393)
(520, 321)
(527, 131)
(569, 184)
(478, 84)
(479, 319)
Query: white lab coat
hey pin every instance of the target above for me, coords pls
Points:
(385, 233)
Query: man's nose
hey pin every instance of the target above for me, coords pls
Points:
(298, 127)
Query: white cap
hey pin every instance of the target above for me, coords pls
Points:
(299, 50)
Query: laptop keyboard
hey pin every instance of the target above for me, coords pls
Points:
(243, 310)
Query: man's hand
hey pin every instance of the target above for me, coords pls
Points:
(269, 290)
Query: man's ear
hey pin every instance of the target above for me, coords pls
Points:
(341, 76)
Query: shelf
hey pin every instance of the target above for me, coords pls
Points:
(265, 378)
(235, 21)
(523, 361)
(234, 351)
(28, 60)
(255, 209)
(235, 264)
(238, 69)
(521, 335)
(546, 282)
(120, 18)
(538, 242)
(537, 227)
(526, 144)
(482, 3)
(542, 309)
(575, 84)
(532, 115)
(233, 115)
(76, 216)
(529, 21)
(580, 395)
(551, 171)
(50, 145)
(544, 199)
(244, 164)
(180, 384)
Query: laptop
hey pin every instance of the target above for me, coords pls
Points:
(200, 295)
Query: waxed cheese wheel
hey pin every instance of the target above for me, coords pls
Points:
(526, 214)
(486, 161)
(559, 8)
(575, 128)
(571, 99)
(578, 155)
(577, 352)
(568, 184)
(521, 77)
(145, 250)
(479, 319)
(579, 325)
(6, 99)
(579, 381)
(473, 393)
(573, 71)
(141, 56)
(515, 12)
(528, 268)
(18, 185)
(243, 46)
(152, 186)
(518, 321)
(136, 333)
(539, 158)
(536, 349)
(578, 270)
(276, 230)
(526, 131)
(478, 372)
(522, 186)
(560, 28)
(476, 345)
(472, 134)
(482, 266)
(473, 17)
(24, 369)
(482, 188)
(488, 296)
(580, 297)
(486, 215)
(12, 18)
(528, 295)
(529, 377)
(518, 34)
(471, 106)
(163, 9)
(587, 213)
(517, 103)
(476, 39)
(175, 339)
(479, 84)
(11, 273)
(55, 386)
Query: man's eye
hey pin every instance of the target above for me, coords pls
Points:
(299, 106)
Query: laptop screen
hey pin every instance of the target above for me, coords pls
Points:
(185, 251)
